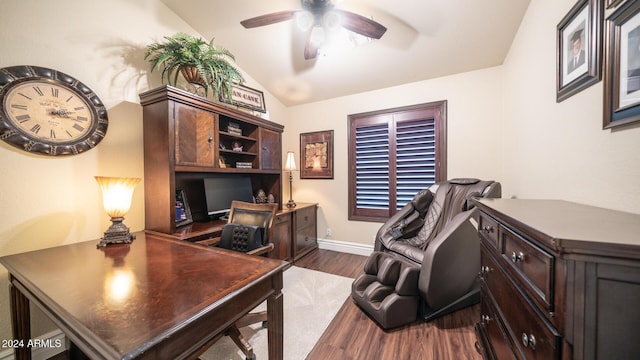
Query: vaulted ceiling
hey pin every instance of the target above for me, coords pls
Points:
(425, 39)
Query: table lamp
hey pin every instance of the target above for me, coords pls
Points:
(290, 166)
(116, 198)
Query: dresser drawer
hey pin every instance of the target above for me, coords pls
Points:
(499, 346)
(489, 228)
(531, 335)
(531, 266)
(305, 217)
(306, 238)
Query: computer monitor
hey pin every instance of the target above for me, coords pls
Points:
(221, 190)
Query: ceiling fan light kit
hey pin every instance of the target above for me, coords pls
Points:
(318, 17)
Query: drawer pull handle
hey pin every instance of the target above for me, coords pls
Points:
(515, 257)
(487, 229)
(484, 270)
(485, 318)
(529, 340)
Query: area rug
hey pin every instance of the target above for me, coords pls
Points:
(311, 300)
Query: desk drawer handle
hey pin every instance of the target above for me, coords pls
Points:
(516, 257)
(529, 340)
(484, 270)
(485, 319)
(487, 229)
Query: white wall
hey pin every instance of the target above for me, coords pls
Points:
(560, 151)
(46, 201)
(473, 141)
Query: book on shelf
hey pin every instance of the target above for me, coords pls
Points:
(234, 129)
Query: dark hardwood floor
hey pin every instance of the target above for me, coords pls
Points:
(353, 335)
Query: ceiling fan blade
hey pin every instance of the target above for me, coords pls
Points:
(361, 25)
(269, 19)
(310, 50)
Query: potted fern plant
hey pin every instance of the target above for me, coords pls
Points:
(201, 63)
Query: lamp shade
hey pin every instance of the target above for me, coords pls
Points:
(116, 194)
(290, 164)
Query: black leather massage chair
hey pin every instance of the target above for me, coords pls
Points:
(426, 257)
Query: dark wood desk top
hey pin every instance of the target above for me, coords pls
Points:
(125, 299)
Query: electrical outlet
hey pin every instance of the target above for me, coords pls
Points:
(328, 232)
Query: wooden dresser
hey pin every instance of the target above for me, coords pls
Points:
(560, 280)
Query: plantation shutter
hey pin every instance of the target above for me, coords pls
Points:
(393, 155)
(415, 158)
(372, 167)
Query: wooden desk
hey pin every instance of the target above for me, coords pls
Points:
(156, 298)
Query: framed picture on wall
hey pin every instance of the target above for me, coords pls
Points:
(622, 64)
(316, 155)
(579, 48)
(183, 212)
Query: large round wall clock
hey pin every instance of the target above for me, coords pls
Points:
(45, 111)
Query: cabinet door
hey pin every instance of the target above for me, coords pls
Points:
(281, 232)
(194, 130)
(270, 149)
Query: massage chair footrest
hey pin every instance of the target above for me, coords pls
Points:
(388, 290)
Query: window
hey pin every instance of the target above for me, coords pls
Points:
(393, 154)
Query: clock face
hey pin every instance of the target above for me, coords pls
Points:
(48, 112)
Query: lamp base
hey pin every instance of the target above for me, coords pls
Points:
(291, 203)
(117, 233)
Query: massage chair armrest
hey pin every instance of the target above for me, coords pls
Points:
(451, 262)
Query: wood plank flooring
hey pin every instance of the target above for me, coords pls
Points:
(353, 335)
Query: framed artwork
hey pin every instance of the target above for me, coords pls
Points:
(316, 155)
(579, 48)
(183, 212)
(622, 66)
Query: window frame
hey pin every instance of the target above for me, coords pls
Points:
(433, 110)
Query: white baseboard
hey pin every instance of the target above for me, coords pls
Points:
(346, 247)
(54, 341)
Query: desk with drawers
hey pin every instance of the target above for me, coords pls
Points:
(559, 280)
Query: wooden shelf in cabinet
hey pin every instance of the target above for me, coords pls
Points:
(234, 136)
(237, 153)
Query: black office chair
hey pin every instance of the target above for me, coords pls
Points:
(248, 230)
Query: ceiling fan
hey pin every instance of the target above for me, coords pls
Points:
(316, 15)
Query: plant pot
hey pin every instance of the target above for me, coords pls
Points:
(190, 73)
